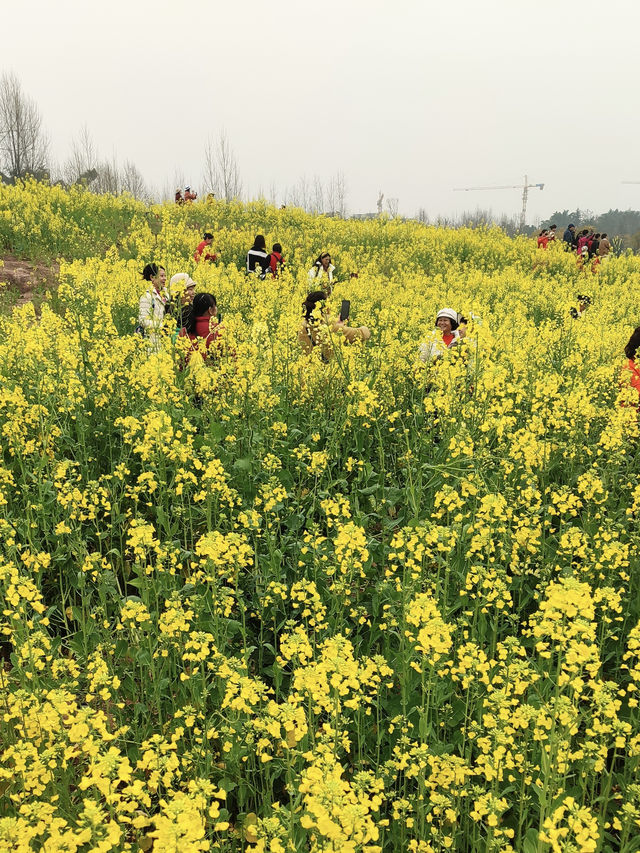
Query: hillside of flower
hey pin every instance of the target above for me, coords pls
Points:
(268, 603)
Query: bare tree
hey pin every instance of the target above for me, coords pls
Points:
(231, 183)
(108, 179)
(340, 204)
(317, 196)
(81, 165)
(379, 202)
(331, 196)
(221, 173)
(23, 143)
(299, 194)
(133, 182)
(210, 177)
(392, 207)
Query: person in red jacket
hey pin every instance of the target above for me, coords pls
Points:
(276, 261)
(202, 329)
(630, 352)
(204, 244)
(543, 239)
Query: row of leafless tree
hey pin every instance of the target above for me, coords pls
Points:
(23, 142)
(24, 150)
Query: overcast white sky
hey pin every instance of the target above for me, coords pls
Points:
(413, 97)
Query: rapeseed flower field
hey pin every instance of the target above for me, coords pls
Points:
(273, 603)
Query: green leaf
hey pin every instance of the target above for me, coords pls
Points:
(226, 784)
(530, 842)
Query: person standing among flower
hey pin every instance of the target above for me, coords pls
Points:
(182, 289)
(630, 351)
(569, 237)
(322, 272)
(153, 303)
(201, 328)
(447, 322)
(200, 253)
(275, 259)
(583, 240)
(257, 257)
(583, 256)
(317, 327)
(584, 302)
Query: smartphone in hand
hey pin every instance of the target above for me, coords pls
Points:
(344, 310)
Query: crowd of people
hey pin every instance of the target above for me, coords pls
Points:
(196, 315)
(585, 242)
(188, 196)
(590, 246)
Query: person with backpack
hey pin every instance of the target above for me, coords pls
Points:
(275, 259)
(593, 246)
(257, 262)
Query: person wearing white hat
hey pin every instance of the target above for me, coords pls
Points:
(182, 289)
(447, 322)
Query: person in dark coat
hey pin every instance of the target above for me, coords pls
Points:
(257, 258)
(569, 237)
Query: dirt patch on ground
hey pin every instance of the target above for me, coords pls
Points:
(29, 281)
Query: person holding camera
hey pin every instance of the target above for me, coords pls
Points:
(317, 328)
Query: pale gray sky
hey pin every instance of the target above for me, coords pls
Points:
(410, 97)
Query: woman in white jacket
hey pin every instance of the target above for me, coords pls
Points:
(153, 303)
(321, 273)
(445, 335)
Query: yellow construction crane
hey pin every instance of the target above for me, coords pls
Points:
(525, 194)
